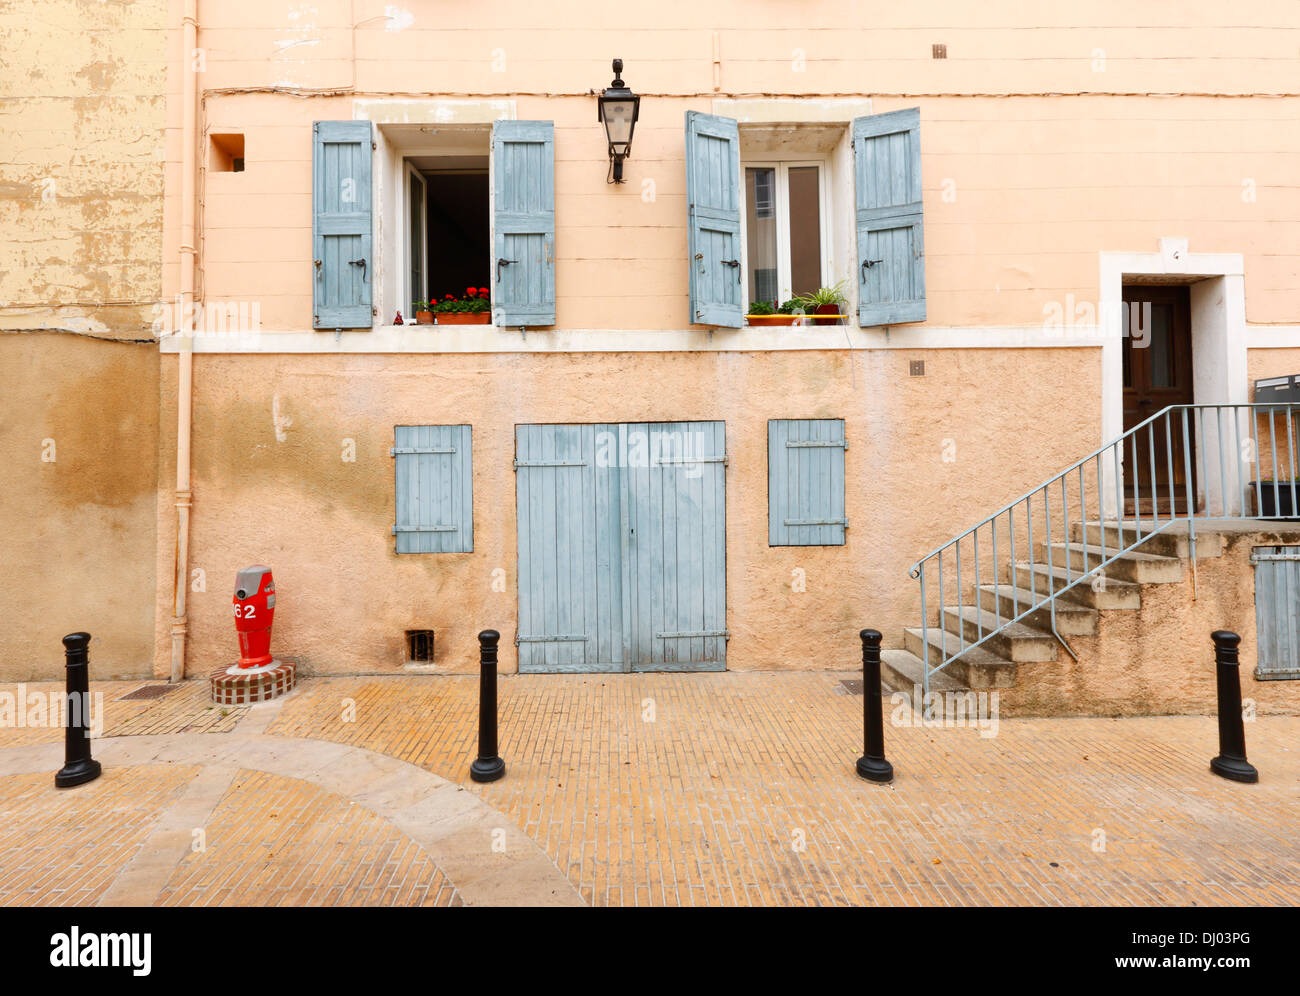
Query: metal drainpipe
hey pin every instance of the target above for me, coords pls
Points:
(185, 358)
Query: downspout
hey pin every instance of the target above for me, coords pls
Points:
(185, 327)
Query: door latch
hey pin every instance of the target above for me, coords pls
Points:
(361, 263)
(501, 263)
(868, 264)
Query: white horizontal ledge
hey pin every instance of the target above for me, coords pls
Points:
(491, 339)
(1272, 336)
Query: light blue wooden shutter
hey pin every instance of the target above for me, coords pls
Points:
(891, 248)
(343, 263)
(523, 222)
(713, 219)
(434, 489)
(570, 574)
(805, 482)
(675, 574)
(1277, 611)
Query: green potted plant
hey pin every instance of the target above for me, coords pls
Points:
(827, 303)
(423, 313)
(475, 308)
(762, 314)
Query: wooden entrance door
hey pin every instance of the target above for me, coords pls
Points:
(1157, 373)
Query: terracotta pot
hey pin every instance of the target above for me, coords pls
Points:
(424, 318)
(765, 321)
(824, 310)
(465, 318)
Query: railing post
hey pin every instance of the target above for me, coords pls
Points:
(78, 765)
(1231, 762)
(872, 765)
(488, 767)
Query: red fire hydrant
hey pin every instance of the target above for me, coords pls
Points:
(254, 609)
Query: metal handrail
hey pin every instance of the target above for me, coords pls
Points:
(1201, 489)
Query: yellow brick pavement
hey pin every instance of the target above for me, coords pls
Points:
(659, 789)
(738, 788)
(275, 841)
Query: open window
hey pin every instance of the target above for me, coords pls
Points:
(787, 229)
(779, 209)
(448, 231)
(406, 212)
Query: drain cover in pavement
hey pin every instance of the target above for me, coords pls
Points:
(153, 692)
(852, 685)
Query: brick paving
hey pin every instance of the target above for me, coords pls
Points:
(740, 790)
(659, 789)
(275, 841)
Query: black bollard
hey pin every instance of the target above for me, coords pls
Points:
(872, 765)
(78, 765)
(488, 767)
(1231, 762)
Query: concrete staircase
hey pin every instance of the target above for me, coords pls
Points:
(993, 664)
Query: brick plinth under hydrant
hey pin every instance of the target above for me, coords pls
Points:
(245, 688)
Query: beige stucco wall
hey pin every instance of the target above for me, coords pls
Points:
(81, 188)
(345, 598)
(1159, 658)
(79, 444)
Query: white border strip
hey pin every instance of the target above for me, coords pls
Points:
(1273, 337)
(490, 339)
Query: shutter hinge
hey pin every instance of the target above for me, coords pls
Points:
(373, 146)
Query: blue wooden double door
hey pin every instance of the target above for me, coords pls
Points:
(622, 547)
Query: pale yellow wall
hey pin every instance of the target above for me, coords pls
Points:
(1037, 151)
(81, 196)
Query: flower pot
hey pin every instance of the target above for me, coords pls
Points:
(827, 314)
(465, 318)
(424, 318)
(764, 321)
(1275, 504)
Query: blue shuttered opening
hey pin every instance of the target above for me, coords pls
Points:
(1277, 611)
(713, 219)
(523, 222)
(891, 247)
(622, 558)
(343, 261)
(805, 482)
(434, 489)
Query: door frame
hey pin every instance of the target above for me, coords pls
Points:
(1217, 289)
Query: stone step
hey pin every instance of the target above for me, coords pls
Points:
(1016, 642)
(1113, 594)
(1135, 566)
(1071, 619)
(1170, 543)
(901, 671)
(976, 669)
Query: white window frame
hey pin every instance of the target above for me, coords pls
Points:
(782, 206)
(412, 294)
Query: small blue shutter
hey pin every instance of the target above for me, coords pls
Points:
(523, 222)
(343, 264)
(805, 482)
(891, 248)
(713, 219)
(434, 490)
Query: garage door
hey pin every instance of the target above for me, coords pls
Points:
(622, 558)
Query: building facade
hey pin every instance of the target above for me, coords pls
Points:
(625, 469)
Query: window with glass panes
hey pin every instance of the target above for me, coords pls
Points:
(784, 229)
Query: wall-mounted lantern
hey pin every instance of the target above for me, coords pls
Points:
(618, 108)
